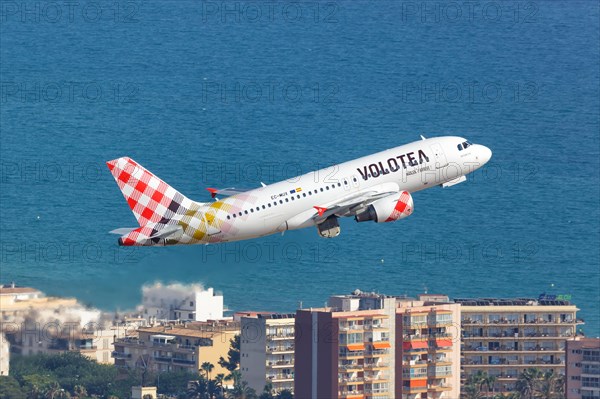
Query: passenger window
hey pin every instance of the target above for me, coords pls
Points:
(234, 215)
(304, 194)
(263, 207)
(269, 204)
(298, 196)
(287, 200)
(245, 212)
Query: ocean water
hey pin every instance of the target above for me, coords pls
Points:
(233, 93)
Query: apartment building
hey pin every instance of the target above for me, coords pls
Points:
(368, 345)
(33, 323)
(267, 350)
(176, 347)
(583, 368)
(430, 349)
(503, 337)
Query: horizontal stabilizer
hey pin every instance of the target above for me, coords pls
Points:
(225, 191)
(123, 230)
(455, 181)
(167, 231)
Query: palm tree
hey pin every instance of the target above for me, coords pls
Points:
(488, 381)
(241, 390)
(79, 391)
(197, 389)
(52, 390)
(235, 375)
(528, 383)
(472, 391)
(208, 368)
(285, 394)
(552, 385)
(219, 380)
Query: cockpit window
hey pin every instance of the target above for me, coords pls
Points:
(464, 145)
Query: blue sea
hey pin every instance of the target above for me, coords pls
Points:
(235, 93)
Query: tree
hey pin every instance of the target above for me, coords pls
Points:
(528, 382)
(233, 355)
(488, 381)
(241, 390)
(472, 391)
(551, 385)
(10, 388)
(219, 382)
(285, 394)
(473, 386)
(52, 390)
(208, 368)
(267, 391)
(79, 391)
(198, 389)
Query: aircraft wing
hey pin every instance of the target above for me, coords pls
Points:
(350, 206)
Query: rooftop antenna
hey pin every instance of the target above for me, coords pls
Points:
(424, 289)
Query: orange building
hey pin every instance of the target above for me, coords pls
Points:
(367, 345)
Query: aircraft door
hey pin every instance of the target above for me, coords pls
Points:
(438, 153)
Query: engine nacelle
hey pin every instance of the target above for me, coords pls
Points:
(388, 209)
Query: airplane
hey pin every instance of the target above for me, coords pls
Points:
(376, 188)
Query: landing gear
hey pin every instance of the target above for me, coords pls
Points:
(329, 228)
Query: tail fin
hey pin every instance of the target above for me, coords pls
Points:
(151, 200)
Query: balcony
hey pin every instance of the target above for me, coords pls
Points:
(378, 365)
(439, 387)
(275, 337)
(120, 355)
(280, 363)
(281, 349)
(351, 354)
(351, 381)
(355, 327)
(351, 394)
(280, 377)
(377, 353)
(183, 361)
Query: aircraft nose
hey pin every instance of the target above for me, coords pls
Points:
(484, 154)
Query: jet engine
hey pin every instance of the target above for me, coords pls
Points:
(388, 209)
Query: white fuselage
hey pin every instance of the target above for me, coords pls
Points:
(290, 204)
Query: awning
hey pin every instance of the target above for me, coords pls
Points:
(381, 345)
(443, 342)
(415, 345)
(418, 383)
(355, 347)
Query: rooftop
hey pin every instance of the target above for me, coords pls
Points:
(544, 301)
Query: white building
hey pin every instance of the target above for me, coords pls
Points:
(267, 350)
(4, 355)
(181, 302)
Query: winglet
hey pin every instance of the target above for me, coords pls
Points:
(321, 210)
(212, 191)
(423, 137)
